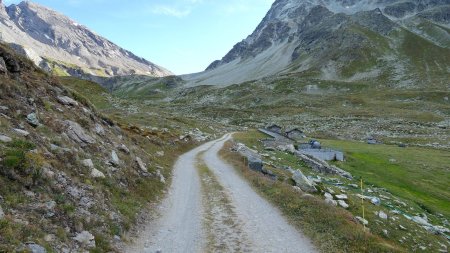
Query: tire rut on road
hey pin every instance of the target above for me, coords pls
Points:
(222, 225)
(210, 208)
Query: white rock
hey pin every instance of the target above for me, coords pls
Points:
(36, 248)
(65, 100)
(124, 148)
(382, 215)
(99, 129)
(161, 177)
(2, 214)
(376, 201)
(21, 132)
(86, 239)
(160, 153)
(141, 164)
(342, 196)
(402, 227)
(303, 182)
(114, 158)
(362, 221)
(421, 221)
(97, 174)
(88, 163)
(77, 133)
(4, 138)
(343, 204)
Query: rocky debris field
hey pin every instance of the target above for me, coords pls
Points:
(384, 213)
(71, 179)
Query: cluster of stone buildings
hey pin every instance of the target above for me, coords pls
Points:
(292, 133)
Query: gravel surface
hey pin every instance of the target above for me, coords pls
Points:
(228, 210)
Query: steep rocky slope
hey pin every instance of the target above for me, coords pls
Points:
(57, 43)
(403, 43)
(71, 179)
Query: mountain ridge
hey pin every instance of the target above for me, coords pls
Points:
(58, 44)
(324, 39)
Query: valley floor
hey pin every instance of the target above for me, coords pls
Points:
(210, 208)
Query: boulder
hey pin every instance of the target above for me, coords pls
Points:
(2, 214)
(362, 221)
(88, 163)
(85, 239)
(21, 132)
(77, 133)
(99, 129)
(376, 201)
(382, 215)
(33, 120)
(141, 165)
(343, 204)
(328, 195)
(97, 174)
(162, 179)
(255, 163)
(286, 148)
(65, 100)
(4, 138)
(123, 148)
(303, 182)
(114, 159)
(341, 196)
(421, 221)
(36, 248)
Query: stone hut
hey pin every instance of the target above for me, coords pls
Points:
(294, 133)
(274, 128)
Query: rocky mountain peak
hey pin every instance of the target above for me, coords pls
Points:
(329, 38)
(57, 43)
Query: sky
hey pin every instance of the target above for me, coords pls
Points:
(184, 36)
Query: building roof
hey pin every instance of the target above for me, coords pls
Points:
(292, 129)
(272, 125)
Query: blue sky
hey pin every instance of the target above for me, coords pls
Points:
(184, 36)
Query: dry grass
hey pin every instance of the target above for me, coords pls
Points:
(331, 229)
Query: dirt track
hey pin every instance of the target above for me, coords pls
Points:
(213, 209)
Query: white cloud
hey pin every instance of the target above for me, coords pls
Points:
(171, 11)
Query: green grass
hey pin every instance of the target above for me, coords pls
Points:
(420, 175)
(95, 93)
(411, 169)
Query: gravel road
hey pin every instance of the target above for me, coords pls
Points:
(216, 211)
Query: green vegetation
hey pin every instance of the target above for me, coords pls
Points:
(15, 154)
(419, 175)
(414, 181)
(331, 229)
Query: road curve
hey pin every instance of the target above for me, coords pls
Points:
(181, 228)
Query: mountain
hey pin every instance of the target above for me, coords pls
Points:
(395, 42)
(59, 44)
